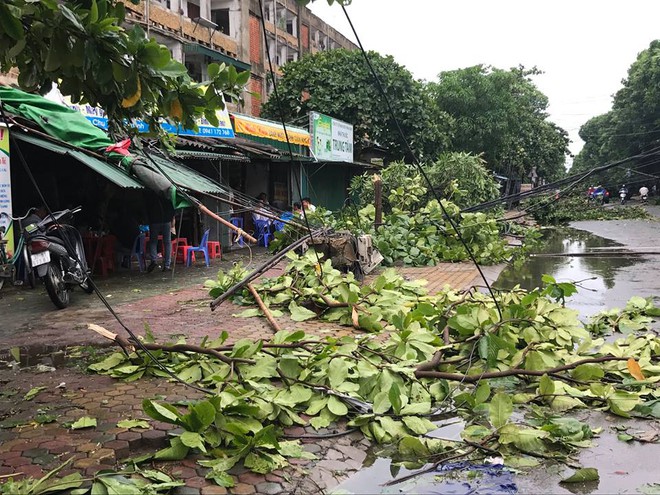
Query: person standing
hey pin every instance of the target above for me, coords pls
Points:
(160, 213)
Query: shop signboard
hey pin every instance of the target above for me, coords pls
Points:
(270, 130)
(332, 139)
(5, 190)
(204, 128)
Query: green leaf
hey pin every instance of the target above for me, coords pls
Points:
(298, 313)
(500, 409)
(84, 422)
(395, 398)
(413, 447)
(587, 372)
(33, 392)
(161, 412)
(9, 24)
(175, 452)
(337, 407)
(221, 479)
(420, 426)
(193, 440)
(337, 371)
(546, 386)
(582, 475)
(482, 393)
(133, 423)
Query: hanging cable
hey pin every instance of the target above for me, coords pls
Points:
(418, 164)
(286, 134)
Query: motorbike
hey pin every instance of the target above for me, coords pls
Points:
(622, 195)
(50, 243)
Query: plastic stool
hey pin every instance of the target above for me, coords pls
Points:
(215, 250)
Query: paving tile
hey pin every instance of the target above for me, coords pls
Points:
(242, 489)
(214, 490)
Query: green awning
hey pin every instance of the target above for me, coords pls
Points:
(185, 177)
(215, 55)
(210, 155)
(107, 170)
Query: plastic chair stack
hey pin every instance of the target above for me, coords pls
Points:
(180, 250)
(238, 222)
(202, 248)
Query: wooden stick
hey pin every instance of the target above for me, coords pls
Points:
(263, 308)
(227, 224)
(125, 344)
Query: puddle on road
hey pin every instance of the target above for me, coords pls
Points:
(605, 281)
(612, 281)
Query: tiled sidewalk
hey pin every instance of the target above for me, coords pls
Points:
(32, 449)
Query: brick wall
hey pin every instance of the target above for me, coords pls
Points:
(256, 87)
(255, 40)
(304, 36)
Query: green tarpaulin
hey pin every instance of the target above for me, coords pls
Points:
(72, 128)
(57, 120)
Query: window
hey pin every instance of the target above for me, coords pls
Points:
(292, 55)
(292, 25)
(221, 18)
(193, 10)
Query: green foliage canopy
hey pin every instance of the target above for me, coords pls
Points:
(82, 46)
(340, 84)
(502, 114)
(632, 126)
(460, 177)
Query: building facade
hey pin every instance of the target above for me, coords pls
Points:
(199, 32)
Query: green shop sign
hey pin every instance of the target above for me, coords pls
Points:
(332, 139)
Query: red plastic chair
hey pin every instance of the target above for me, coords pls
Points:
(179, 249)
(215, 249)
(105, 255)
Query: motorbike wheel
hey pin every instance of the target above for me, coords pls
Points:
(55, 286)
(29, 272)
(87, 286)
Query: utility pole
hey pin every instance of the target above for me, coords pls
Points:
(378, 200)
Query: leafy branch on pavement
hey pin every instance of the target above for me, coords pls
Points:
(129, 481)
(511, 379)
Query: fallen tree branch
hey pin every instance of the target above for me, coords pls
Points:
(263, 308)
(124, 343)
(425, 370)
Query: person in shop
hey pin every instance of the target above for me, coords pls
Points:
(262, 204)
(307, 205)
(160, 213)
(297, 210)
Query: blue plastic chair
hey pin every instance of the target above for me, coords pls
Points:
(138, 251)
(262, 231)
(238, 222)
(202, 248)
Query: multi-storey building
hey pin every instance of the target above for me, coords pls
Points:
(199, 32)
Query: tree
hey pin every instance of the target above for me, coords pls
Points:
(81, 45)
(632, 127)
(459, 177)
(339, 83)
(502, 114)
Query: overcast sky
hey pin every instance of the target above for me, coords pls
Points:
(584, 47)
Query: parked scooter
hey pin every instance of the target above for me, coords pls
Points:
(50, 243)
(623, 192)
(644, 193)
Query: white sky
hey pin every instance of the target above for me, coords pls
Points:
(584, 47)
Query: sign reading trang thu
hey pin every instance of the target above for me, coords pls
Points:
(332, 139)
